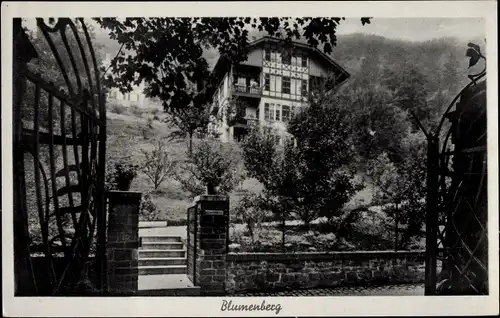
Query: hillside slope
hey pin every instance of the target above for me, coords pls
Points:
(364, 56)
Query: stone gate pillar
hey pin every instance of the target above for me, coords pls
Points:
(123, 242)
(212, 243)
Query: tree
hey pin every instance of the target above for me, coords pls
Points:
(212, 168)
(450, 75)
(401, 189)
(324, 150)
(189, 121)
(157, 165)
(267, 163)
(390, 187)
(310, 174)
(378, 124)
(408, 86)
(250, 212)
(166, 53)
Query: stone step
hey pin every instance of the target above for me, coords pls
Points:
(162, 270)
(160, 238)
(161, 253)
(166, 285)
(152, 224)
(161, 261)
(187, 291)
(162, 245)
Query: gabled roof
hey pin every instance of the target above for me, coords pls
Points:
(223, 64)
(344, 75)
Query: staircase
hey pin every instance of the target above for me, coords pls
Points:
(161, 255)
(162, 267)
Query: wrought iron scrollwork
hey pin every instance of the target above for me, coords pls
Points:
(457, 193)
(59, 158)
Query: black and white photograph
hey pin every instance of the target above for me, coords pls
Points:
(243, 159)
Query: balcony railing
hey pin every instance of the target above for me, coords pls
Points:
(243, 122)
(247, 90)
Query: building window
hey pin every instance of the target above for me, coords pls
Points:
(286, 84)
(277, 84)
(304, 88)
(267, 55)
(294, 61)
(267, 82)
(266, 112)
(277, 112)
(273, 56)
(242, 81)
(304, 61)
(287, 58)
(285, 113)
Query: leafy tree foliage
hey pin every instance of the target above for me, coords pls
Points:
(323, 153)
(249, 211)
(310, 175)
(267, 162)
(450, 74)
(166, 53)
(378, 124)
(401, 189)
(189, 122)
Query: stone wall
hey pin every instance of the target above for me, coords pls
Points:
(261, 271)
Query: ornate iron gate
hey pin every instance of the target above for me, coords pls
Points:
(456, 223)
(59, 161)
(192, 233)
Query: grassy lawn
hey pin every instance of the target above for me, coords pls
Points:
(128, 134)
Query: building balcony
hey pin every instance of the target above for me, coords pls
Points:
(247, 91)
(244, 122)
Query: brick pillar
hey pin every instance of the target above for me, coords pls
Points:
(123, 242)
(213, 212)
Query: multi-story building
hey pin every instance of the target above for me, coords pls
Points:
(268, 87)
(135, 97)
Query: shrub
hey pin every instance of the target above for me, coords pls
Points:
(120, 176)
(213, 168)
(250, 214)
(146, 130)
(136, 110)
(117, 108)
(148, 210)
(155, 112)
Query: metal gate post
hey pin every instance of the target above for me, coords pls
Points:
(431, 215)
